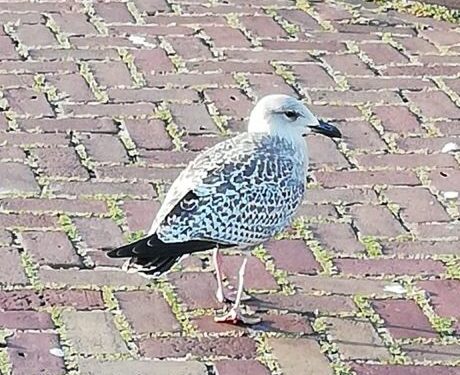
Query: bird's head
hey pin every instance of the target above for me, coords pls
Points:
(287, 117)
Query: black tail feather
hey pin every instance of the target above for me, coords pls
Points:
(152, 256)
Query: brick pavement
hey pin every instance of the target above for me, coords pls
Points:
(102, 104)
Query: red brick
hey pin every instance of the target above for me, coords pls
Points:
(29, 353)
(285, 323)
(99, 233)
(196, 289)
(11, 271)
(336, 112)
(62, 162)
(313, 76)
(348, 64)
(152, 6)
(443, 295)
(434, 104)
(111, 73)
(151, 95)
(150, 134)
(337, 237)
(152, 61)
(400, 83)
(376, 267)
(353, 178)
(231, 66)
(26, 320)
(12, 154)
(52, 248)
(113, 12)
(428, 145)
(422, 70)
(354, 97)
(74, 24)
(293, 256)
(33, 140)
(441, 37)
(323, 152)
(231, 102)
(263, 27)
(42, 205)
(22, 67)
(194, 118)
(332, 12)
(27, 220)
(154, 317)
(404, 319)
(140, 213)
(315, 210)
(17, 178)
(384, 223)
(445, 179)
(293, 45)
(140, 189)
(257, 277)
(416, 46)
(346, 195)
(438, 231)
(267, 56)
(207, 324)
(202, 142)
(104, 148)
(35, 35)
(265, 84)
(303, 303)
(7, 49)
(421, 248)
(397, 119)
(382, 54)
(28, 102)
(190, 48)
(5, 237)
(134, 172)
(73, 85)
(299, 18)
(152, 30)
(395, 161)
(417, 204)
(226, 37)
(79, 299)
(366, 369)
(239, 367)
(93, 125)
(176, 347)
(191, 80)
(18, 300)
(109, 110)
(361, 135)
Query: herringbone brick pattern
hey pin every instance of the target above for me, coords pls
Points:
(103, 103)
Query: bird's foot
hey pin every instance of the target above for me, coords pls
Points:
(236, 317)
(230, 296)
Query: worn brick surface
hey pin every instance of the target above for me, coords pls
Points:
(103, 103)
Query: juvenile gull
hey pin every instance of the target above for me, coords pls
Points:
(238, 193)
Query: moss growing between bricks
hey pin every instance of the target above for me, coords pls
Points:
(163, 113)
(136, 75)
(100, 94)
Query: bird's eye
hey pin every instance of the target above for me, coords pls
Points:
(291, 115)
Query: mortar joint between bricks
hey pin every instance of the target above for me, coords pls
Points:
(322, 255)
(264, 353)
(339, 78)
(353, 48)
(288, 76)
(69, 228)
(135, 12)
(119, 319)
(127, 141)
(95, 19)
(447, 90)
(82, 154)
(99, 93)
(32, 162)
(234, 22)
(6, 366)
(388, 38)
(221, 121)
(52, 95)
(163, 113)
(325, 24)
(209, 43)
(10, 30)
(135, 73)
(291, 29)
(176, 60)
(60, 36)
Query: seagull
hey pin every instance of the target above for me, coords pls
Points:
(239, 193)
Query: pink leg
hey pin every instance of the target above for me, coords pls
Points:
(217, 258)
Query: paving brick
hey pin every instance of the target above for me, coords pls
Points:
(290, 354)
(323, 151)
(194, 118)
(35, 35)
(299, 18)
(99, 233)
(226, 37)
(207, 324)
(104, 148)
(389, 266)
(99, 336)
(24, 320)
(111, 73)
(81, 299)
(361, 135)
(375, 83)
(360, 178)
(140, 189)
(60, 162)
(441, 37)
(421, 248)
(26, 220)
(28, 102)
(257, 278)
(196, 289)
(91, 366)
(397, 119)
(349, 65)
(303, 304)
(385, 224)
(445, 179)
(54, 205)
(438, 231)
(52, 248)
(265, 84)
(417, 46)
(263, 27)
(397, 161)
(11, 271)
(284, 323)
(140, 214)
(422, 70)
(240, 367)
(425, 144)
(337, 237)
(355, 97)
(417, 205)
(432, 352)
(338, 195)
(231, 102)
(113, 12)
(357, 339)
(313, 75)
(152, 6)
(319, 211)
(383, 54)
(29, 353)
(17, 178)
(8, 51)
(5, 237)
(190, 48)
(34, 140)
(366, 369)
(404, 318)
(155, 316)
(73, 85)
(149, 134)
(176, 347)
(434, 104)
(152, 61)
(340, 285)
(62, 125)
(293, 256)
(74, 23)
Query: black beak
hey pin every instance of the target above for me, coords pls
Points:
(326, 129)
